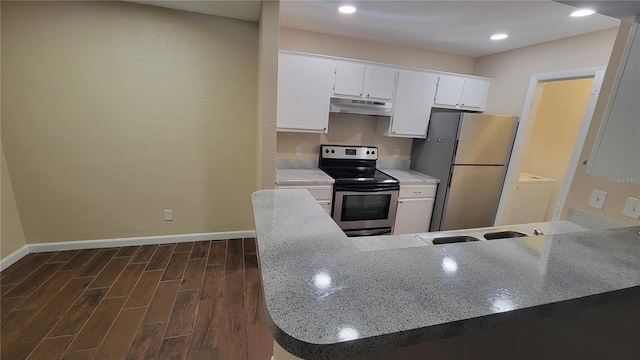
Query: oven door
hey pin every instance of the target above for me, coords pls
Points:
(372, 208)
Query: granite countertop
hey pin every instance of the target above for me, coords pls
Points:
(410, 177)
(327, 297)
(302, 177)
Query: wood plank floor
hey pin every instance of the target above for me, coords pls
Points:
(199, 300)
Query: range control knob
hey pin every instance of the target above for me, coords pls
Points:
(333, 151)
(373, 152)
(326, 151)
(367, 152)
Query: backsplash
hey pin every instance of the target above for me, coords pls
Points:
(310, 163)
(344, 129)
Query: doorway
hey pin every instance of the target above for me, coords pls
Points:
(548, 143)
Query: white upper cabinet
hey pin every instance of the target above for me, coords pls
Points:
(461, 93)
(379, 83)
(305, 86)
(616, 152)
(474, 94)
(349, 79)
(367, 82)
(449, 92)
(411, 105)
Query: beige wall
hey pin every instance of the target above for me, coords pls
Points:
(511, 71)
(344, 129)
(550, 146)
(583, 184)
(11, 234)
(115, 111)
(267, 93)
(316, 43)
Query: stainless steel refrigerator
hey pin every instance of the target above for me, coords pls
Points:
(469, 153)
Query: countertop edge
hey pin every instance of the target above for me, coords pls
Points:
(402, 338)
(416, 336)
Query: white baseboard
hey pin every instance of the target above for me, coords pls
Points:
(107, 243)
(13, 257)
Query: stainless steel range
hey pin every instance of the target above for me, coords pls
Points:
(365, 199)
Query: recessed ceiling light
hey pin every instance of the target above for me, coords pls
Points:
(582, 12)
(499, 36)
(347, 9)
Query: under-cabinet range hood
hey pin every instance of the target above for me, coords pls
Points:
(362, 107)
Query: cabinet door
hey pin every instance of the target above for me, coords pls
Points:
(413, 216)
(326, 205)
(474, 94)
(616, 150)
(412, 104)
(305, 86)
(349, 79)
(449, 92)
(379, 83)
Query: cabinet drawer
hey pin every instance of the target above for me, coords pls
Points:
(322, 192)
(417, 191)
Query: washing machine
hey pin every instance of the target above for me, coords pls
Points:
(531, 200)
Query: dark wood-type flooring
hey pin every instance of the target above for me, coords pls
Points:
(199, 300)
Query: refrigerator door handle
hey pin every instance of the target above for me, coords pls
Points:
(449, 181)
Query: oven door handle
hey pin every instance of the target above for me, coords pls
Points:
(362, 190)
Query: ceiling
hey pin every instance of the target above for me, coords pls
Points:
(450, 26)
(455, 27)
(236, 9)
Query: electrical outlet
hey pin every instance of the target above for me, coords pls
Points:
(396, 153)
(298, 150)
(168, 215)
(597, 199)
(632, 208)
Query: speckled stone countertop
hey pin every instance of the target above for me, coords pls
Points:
(327, 298)
(410, 177)
(302, 177)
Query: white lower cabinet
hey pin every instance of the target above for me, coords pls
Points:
(415, 205)
(322, 193)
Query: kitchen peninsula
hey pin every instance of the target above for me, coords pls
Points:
(571, 295)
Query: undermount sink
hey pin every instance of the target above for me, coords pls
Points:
(453, 239)
(503, 235)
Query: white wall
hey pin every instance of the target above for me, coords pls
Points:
(340, 46)
(511, 71)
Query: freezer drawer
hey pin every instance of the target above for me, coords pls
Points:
(472, 199)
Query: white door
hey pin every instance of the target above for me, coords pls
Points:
(379, 83)
(449, 91)
(305, 86)
(412, 104)
(349, 79)
(413, 216)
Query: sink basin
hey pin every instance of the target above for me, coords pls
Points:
(453, 239)
(503, 235)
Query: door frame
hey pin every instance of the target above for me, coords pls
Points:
(525, 129)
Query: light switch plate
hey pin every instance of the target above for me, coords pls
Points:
(632, 208)
(298, 150)
(597, 199)
(396, 153)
